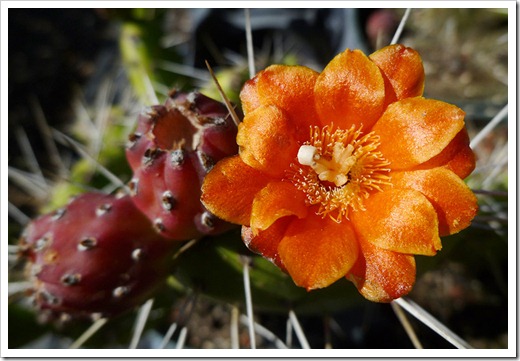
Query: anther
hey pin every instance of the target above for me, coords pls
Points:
(338, 169)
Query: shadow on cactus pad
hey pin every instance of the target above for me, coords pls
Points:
(214, 267)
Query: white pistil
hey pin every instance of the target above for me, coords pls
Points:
(334, 170)
(306, 155)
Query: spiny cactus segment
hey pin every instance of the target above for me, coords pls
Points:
(170, 152)
(97, 256)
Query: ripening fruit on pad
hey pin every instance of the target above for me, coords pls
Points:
(170, 152)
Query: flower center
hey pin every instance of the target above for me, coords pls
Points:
(339, 169)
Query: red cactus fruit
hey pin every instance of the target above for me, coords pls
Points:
(171, 151)
(99, 255)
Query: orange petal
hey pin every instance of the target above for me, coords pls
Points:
(463, 163)
(400, 220)
(317, 251)
(276, 200)
(249, 97)
(290, 88)
(414, 130)
(454, 202)
(267, 141)
(266, 242)
(404, 69)
(229, 188)
(381, 275)
(457, 156)
(350, 90)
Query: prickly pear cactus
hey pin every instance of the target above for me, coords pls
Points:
(96, 256)
(172, 149)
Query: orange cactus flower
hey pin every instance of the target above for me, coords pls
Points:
(346, 173)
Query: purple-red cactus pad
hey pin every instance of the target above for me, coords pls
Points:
(99, 255)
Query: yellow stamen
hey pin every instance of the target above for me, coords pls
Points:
(339, 169)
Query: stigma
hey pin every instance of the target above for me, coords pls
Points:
(335, 169)
(339, 169)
